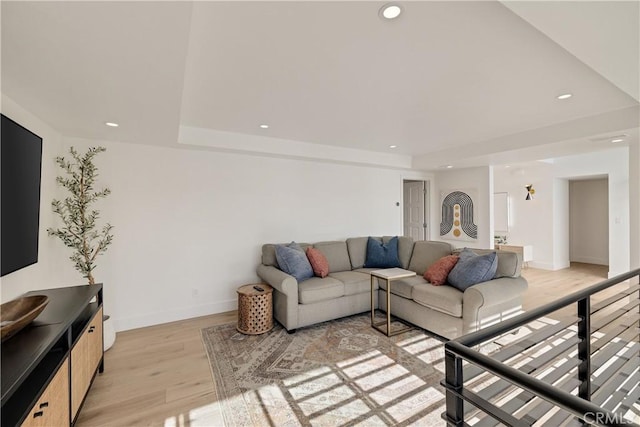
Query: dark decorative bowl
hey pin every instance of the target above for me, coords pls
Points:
(16, 314)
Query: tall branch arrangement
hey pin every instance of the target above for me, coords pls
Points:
(80, 231)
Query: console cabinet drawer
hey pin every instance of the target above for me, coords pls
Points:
(85, 357)
(94, 332)
(52, 409)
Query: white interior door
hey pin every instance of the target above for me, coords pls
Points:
(415, 221)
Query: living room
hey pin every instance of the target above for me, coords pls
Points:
(197, 186)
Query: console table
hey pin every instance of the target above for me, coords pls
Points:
(525, 251)
(48, 367)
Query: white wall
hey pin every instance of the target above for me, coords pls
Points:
(527, 218)
(561, 226)
(53, 268)
(465, 179)
(189, 224)
(543, 222)
(613, 163)
(589, 221)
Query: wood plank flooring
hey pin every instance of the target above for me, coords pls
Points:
(160, 376)
(546, 286)
(156, 376)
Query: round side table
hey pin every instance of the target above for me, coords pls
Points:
(255, 309)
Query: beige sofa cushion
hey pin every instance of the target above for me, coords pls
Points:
(425, 253)
(354, 282)
(402, 287)
(357, 247)
(336, 254)
(509, 264)
(317, 289)
(269, 253)
(367, 270)
(446, 299)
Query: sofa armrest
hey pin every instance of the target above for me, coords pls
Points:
(281, 281)
(495, 291)
(492, 301)
(285, 295)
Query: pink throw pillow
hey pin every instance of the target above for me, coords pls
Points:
(438, 272)
(318, 261)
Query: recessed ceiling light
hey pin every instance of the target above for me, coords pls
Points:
(617, 140)
(565, 96)
(393, 146)
(507, 166)
(446, 167)
(264, 126)
(610, 138)
(390, 11)
(111, 124)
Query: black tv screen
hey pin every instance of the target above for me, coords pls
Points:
(20, 160)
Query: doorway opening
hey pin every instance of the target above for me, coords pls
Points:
(415, 209)
(589, 220)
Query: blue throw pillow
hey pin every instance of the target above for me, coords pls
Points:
(382, 255)
(292, 260)
(472, 269)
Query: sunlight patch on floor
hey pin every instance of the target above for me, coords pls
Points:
(320, 403)
(415, 404)
(379, 378)
(373, 421)
(342, 414)
(424, 346)
(274, 405)
(417, 341)
(433, 418)
(396, 389)
(633, 416)
(308, 388)
(355, 360)
(203, 416)
(375, 364)
(307, 376)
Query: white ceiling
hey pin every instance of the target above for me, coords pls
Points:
(455, 82)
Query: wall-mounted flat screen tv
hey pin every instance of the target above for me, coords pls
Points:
(20, 162)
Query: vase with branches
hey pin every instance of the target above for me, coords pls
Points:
(80, 231)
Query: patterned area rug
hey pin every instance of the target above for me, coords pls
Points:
(338, 373)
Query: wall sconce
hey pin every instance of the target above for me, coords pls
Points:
(530, 191)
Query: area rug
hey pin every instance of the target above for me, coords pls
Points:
(338, 373)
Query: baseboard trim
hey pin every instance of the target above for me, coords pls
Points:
(547, 266)
(157, 318)
(590, 260)
(540, 265)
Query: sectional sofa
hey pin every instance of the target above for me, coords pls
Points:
(443, 310)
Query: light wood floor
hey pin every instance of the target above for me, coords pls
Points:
(156, 376)
(546, 286)
(160, 376)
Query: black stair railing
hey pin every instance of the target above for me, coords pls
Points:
(463, 363)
